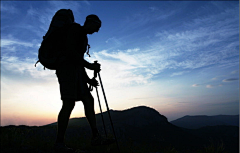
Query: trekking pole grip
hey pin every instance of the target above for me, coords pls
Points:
(94, 77)
(95, 73)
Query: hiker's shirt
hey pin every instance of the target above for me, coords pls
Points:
(76, 46)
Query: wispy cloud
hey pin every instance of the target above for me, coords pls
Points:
(153, 8)
(113, 41)
(230, 80)
(179, 73)
(41, 18)
(195, 85)
(209, 86)
(204, 42)
(200, 46)
(12, 66)
(214, 78)
(135, 61)
(144, 17)
(234, 72)
(161, 56)
(11, 46)
(67, 4)
(7, 7)
(12, 42)
(124, 67)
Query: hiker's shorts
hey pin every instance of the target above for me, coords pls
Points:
(72, 82)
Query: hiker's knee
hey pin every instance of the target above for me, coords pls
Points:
(88, 100)
(68, 104)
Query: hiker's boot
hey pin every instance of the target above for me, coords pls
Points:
(62, 148)
(99, 140)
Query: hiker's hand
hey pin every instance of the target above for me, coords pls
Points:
(93, 82)
(96, 67)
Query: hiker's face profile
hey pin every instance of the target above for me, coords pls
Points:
(93, 27)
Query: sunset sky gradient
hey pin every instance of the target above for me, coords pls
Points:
(178, 57)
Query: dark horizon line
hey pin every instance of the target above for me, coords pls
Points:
(105, 111)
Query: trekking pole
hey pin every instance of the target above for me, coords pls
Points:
(101, 112)
(108, 111)
(95, 76)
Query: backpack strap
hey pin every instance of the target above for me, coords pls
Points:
(88, 46)
(38, 62)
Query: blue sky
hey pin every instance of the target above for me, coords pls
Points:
(178, 57)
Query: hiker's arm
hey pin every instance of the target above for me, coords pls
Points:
(76, 48)
(91, 66)
(93, 82)
(86, 64)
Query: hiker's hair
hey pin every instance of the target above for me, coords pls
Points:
(92, 17)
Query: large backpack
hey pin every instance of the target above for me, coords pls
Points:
(54, 41)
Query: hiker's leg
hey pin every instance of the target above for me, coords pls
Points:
(88, 103)
(63, 118)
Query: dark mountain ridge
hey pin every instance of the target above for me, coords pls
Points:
(137, 116)
(195, 122)
(146, 125)
(142, 127)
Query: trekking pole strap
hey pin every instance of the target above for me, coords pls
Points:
(90, 88)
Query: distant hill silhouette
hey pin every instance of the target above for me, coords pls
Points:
(140, 128)
(195, 122)
(137, 116)
(146, 125)
(142, 125)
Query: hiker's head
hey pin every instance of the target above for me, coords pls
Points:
(92, 24)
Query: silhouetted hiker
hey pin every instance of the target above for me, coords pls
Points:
(73, 80)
